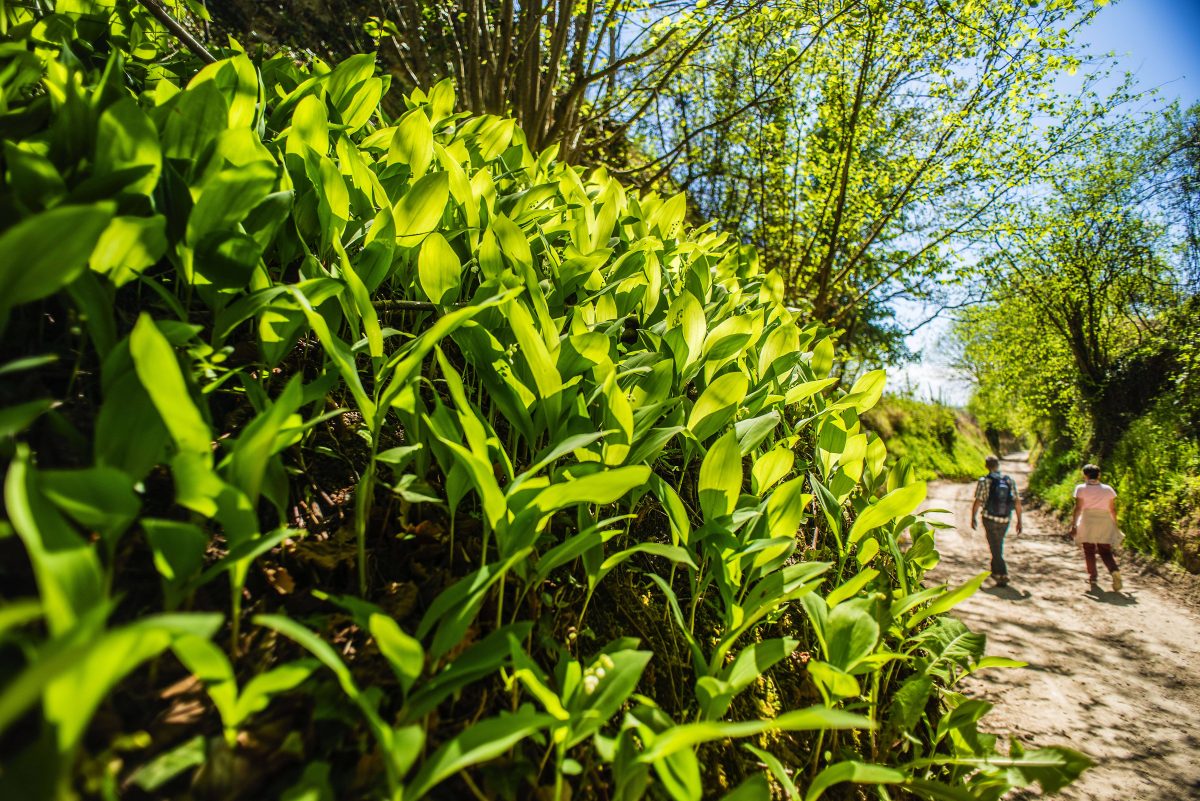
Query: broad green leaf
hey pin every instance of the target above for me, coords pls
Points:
(806, 390)
(158, 370)
(856, 772)
(720, 481)
(178, 551)
(439, 269)
(166, 766)
(310, 127)
(851, 587)
(715, 694)
(948, 600)
(30, 269)
(850, 635)
(412, 143)
(100, 499)
(404, 653)
(786, 508)
(770, 468)
(480, 742)
(813, 718)
(128, 246)
(238, 81)
(67, 569)
(419, 212)
(15, 419)
(126, 142)
(593, 708)
(717, 404)
(74, 679)
(866, 391)
(603, 487)
(894, 505)
(834, 683)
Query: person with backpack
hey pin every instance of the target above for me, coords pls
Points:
(997, 494)
(1094, 525)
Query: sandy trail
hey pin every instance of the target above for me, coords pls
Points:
(1114, 675)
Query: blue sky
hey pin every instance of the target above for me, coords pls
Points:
(1156, 40)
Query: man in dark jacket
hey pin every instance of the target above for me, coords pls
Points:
(997, 494)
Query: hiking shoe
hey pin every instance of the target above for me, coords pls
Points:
(1093, 584)
(1116, 580)
(1001, 581)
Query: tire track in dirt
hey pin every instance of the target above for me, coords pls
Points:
(1114, 675)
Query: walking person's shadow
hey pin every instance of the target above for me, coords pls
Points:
(1008, 593)
(1104, 596)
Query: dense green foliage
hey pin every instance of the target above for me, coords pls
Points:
(350, 456)
(936, 440)
(1090, 338)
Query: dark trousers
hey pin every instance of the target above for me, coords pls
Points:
(996, 529)
(1089, 556)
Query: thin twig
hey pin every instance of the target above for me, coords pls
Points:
(181, 33)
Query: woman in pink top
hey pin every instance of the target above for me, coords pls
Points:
(1094, 524)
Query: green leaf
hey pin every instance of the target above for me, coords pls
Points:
(193, 118)
(74, 674)
(866, 391)
(456, 607)
(227, 198)
(835, 684)
(67, 569)
(756, 788)
(178, 551)
(481, 742)
(412, 143)
(310, 127)
(439, 269)
(806, 390)
(101, 499)
(402, 652)
(419, 212)
(856, 772)
(850, 634)
(948, 600)
(169, 764)
(717, 404)
(126, 141)
(158, 369)
(786, 508)
(256, 695)
(591, 709)
(15, 419)
(30, 270)
(777, 770)
(752, 432)
(720, 481)
(603, 487)
(691, 734)
(894, 505)
(715, 694)
(128, 246)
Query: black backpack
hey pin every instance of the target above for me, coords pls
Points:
(1000, 496)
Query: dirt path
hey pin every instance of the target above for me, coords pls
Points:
(1115, 675)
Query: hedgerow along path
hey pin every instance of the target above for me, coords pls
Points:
(1110, 674)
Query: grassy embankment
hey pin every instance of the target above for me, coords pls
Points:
(937, 440)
